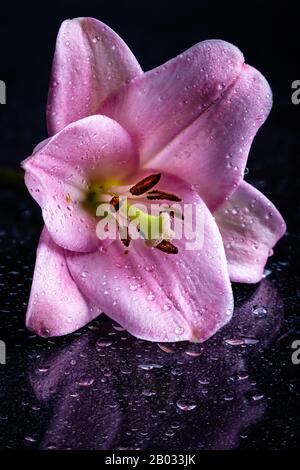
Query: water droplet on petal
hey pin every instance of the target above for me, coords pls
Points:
(179, 330)
(150, 296)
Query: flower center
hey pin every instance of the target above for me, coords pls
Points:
(130, 204)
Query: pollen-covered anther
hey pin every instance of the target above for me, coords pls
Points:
(156, 194)
(145, 184)
(115, 202)
(167, 247)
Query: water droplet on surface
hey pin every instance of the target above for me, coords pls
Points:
(118, 328)
(30, 439)
(149, 366)
(203, 381)
(148, 393)
(255, 396)
(84, 274)
(186, 405)
(260, 311)
(165, 348)
(43, 370)
(234, 341)
(85, 381)
(250, 340)
(103, 343)
(267, 272)
(193, 353)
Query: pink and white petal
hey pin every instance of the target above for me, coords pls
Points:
(56, 305)
(59, 176)
(250, 226)
(158, 296)
(196, 116)
(158, 105)
(91, 62)
(212, 152)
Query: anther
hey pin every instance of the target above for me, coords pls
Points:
(155, 194)
(145, 184)
(167, 247)
(115, 203)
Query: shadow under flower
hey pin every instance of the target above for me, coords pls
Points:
(117, 392)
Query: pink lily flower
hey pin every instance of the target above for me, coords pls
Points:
(187, 126)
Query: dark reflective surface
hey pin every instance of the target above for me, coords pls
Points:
(100, 388)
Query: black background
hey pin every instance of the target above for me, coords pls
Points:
(268, 34)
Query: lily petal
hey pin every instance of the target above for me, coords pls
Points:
(56, 305)
(158, 296)
(196, 116)
(250, 226)
(60, 174)
(90, 63)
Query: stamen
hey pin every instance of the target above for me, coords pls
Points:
(115, 203)
(145, 184)
(167, 247)
(155, 194)
(126, 241)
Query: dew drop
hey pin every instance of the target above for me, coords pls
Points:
(149, 366)
(103, 343)
(260, 311)
(179, 330)
(186, 405)
(255, 396)
(150, 296)
(165, 348)
(43, 370)
(234, 341)
(118, 328)
(30, 439)
(193, 353)
(167, 307)
(85, 381)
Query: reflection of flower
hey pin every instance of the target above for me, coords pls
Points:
(184, 129)
(119, 392)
